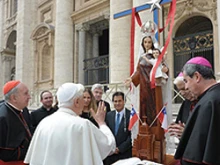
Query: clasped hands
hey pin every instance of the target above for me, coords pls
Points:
(176, 129)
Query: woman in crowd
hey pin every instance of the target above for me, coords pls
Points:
(89, 103)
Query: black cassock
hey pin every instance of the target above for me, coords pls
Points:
(14, 135)
(185, 111)
(39, 114)
(200, 142)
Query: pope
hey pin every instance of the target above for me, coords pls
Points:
(66, 138)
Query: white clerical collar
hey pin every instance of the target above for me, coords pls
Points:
(21, 110)
(47, 109)
(67, 110)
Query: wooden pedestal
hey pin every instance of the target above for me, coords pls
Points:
(150, 143)
(148, 147)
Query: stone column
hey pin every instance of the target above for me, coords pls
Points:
(89, 45)
(119, 42)
(81, 29)
(95, 41)
(2, 16)
(24, 46)
(63, 55)
(1, 23)
(81, 57)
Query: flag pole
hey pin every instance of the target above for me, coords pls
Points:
(157, 116)
(125, 111)
(139, 118)
(137, 115)
(134, 109)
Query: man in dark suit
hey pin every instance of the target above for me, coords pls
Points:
(97, 91)
(118, 122)
(45, 110)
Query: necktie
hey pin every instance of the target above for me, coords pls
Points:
(117, 123)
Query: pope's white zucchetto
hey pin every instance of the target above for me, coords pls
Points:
(68, 91)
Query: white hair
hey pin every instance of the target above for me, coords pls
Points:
(97, 86)
(178, 79)
(12, 91)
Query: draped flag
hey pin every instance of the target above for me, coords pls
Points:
(133, 126)
(133, 118)
(163, 118)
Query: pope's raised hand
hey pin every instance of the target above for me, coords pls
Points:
(99, 116)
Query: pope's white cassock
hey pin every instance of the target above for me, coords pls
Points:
(64, 138)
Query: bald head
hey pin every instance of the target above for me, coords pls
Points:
(180, 85)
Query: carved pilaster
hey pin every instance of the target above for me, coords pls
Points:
(82, 27)
(206, 6)
(7, 58)
(107, 16)
(8, 66)
(94, 31)
(189, 6)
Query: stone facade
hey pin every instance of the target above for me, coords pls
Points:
(45, 43)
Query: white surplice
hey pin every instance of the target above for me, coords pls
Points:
(64, 138)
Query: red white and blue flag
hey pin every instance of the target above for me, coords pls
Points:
(163, 118)
(133, 118)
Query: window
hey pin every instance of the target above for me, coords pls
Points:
(12, 7)
(45, 63)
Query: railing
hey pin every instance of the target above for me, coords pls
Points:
(192, 45)
(97, 70)
(107, 96)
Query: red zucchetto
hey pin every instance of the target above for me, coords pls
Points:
(9, 86)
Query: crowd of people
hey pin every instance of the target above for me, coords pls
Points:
(83, 120)
(82, 129)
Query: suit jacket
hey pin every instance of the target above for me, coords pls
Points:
(123, 137)
(107, 105)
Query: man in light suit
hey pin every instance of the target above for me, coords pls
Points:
(122, 135)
